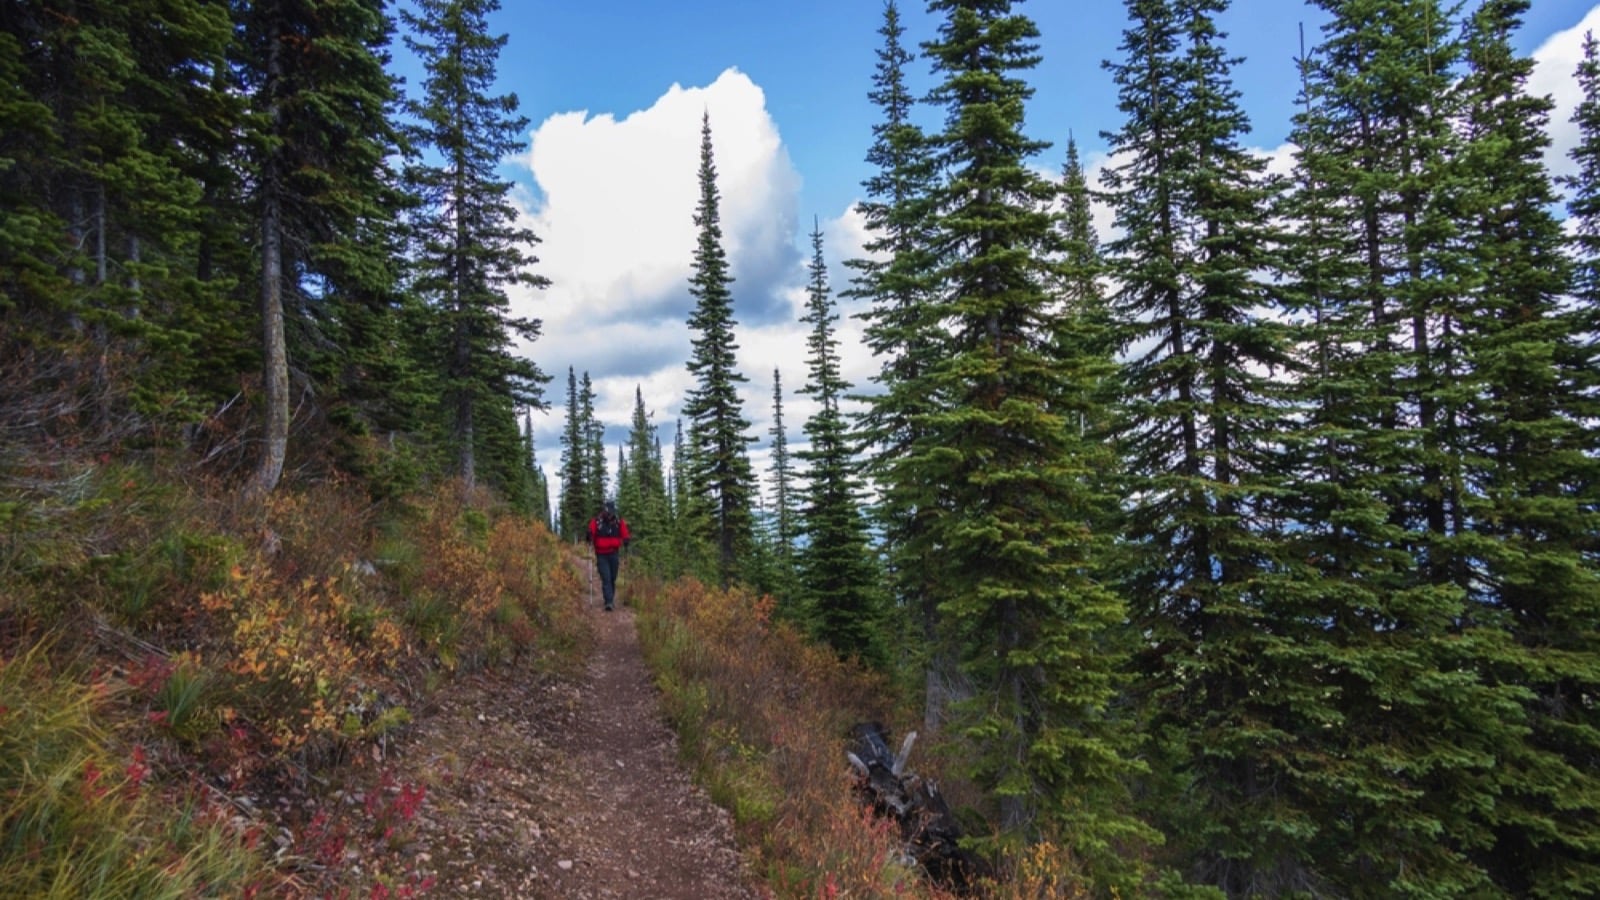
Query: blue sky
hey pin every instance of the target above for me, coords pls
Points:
(614, 91)
(815, 61)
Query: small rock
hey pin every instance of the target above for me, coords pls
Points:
(565, 864)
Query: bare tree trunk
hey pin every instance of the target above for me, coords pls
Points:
(274, 350)
(274, 355)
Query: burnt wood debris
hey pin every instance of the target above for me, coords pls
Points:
(930, 831)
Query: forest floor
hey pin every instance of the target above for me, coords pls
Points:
(552, 787)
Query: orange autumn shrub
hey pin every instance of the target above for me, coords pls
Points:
(483, 588)
(296, 652)
(541, 608)
(308, 638)
(764, 715)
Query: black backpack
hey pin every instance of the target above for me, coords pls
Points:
(608, 527)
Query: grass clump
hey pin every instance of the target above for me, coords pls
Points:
(81, 814)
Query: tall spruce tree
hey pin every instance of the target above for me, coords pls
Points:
(470, 247)
(1082, 264)
(838, 581)
(720, 482)
(1007, 535)
(1527, 439)
(595, 477)
(644, 502)
(897, 280)
(538, 485)
(1199, 426)
(783, 478)
(690, 550)
(108, 115)
(32, 284)
(1583, 189)
(1088, 331)
(1374, 568)
(622, 469)
(575, 508)
(784, 516)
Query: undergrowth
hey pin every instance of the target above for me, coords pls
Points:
(81, 815)
(764, 716)
(171, 659)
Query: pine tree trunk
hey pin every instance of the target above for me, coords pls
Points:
(274, 350)
(274, 355)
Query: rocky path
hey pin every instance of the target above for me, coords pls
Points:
(567, 789)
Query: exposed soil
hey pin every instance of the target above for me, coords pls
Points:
(546, 787)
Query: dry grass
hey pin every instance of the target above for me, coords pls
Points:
(765, 717)
(80, 813)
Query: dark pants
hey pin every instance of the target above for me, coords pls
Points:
(608, 563)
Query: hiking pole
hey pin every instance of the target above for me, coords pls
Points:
(592, 564)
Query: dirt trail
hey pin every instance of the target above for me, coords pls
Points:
(567, 789)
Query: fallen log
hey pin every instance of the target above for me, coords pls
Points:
(929, 829)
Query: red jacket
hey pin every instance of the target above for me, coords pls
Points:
(604, 544)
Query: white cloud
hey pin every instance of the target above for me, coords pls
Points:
(1554, 64)
(613, 204)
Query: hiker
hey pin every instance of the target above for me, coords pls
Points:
(608, 534)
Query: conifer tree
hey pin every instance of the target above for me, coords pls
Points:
(1583, 196)
(1088, 331)
(645, 501)
(595, 479)
(691, 553)
(539, 486)
(1011, 496)
(761, 561)
(838, 583)
(784, 515)
(575, 509)
(1528, 443)
(31, 282)
(108, 113)
(897, 281)
(471, 248)
(1373, 584)
(622, 469)
(720, 484)
(629, 493)
(1199, 428)
(321, 132)
(1082, 265)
